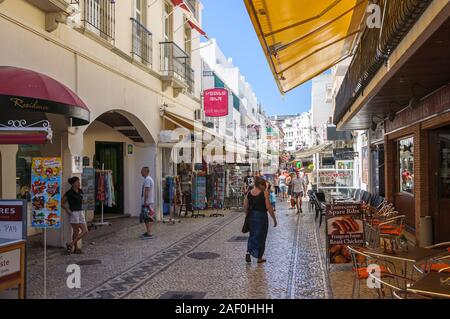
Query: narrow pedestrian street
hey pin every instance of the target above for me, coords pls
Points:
(197, 258)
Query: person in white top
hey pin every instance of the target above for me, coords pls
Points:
(147, 215)
(282, 185)
(297, 191)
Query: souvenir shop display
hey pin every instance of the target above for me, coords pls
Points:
(218, 194)
(171, 195)
(234, 181)
(199, 193)
(46, 192)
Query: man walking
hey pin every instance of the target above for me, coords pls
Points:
(147, 215)
(297, 191)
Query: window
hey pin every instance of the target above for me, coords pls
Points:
(188, 40)
(138, 10)
(167, 22)
(406, 161)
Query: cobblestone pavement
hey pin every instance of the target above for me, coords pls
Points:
(197, 258)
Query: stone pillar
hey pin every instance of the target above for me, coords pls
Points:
(71, 144)
(8, 155)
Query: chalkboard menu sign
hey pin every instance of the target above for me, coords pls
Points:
(88, 186)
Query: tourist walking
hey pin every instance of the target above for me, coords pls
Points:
(257, 206)
(147, 215)
(72, 203)
(297, 191)
(283, 188)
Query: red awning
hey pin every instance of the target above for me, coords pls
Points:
(27, 90)
(34, 139)
(193, 23)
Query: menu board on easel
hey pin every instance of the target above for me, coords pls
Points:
(88, 186)
(46, 192)
(344, 227)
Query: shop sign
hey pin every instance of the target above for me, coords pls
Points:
(130, 149)
(342, 154)
(88, 186)
(46, 192)
(13, 219)
(345, 227)
(215, 102)
(9, 263)
(77, 164)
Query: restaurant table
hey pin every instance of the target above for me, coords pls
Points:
(413, 255)
(431, 285)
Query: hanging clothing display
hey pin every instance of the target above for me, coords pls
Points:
(105, 187)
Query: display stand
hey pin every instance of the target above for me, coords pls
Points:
(198, 195)
(216, 198)
(102, 221)
(171, 220)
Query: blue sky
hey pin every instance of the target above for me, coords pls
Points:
(229, 23)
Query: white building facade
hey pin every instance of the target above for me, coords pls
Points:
(134, 63)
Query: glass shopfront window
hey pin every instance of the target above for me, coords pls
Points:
(23, 169)
(406, 158)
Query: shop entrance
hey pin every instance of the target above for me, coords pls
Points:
(440, 175)
(109, 156)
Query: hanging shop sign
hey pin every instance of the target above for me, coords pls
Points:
(13, 219)
(46, 192)
(88, 186)
(215, 102)
(345, 227)
(342, 154)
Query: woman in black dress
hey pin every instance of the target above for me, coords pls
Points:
(257, 205)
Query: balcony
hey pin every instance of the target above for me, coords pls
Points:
(375, 48)
(56, 11)
(176, 70)
(99, 18)
(142, 43)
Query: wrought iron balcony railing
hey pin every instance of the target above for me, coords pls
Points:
(142, 47)
(99, 17)
(375, 47)
(176, 63)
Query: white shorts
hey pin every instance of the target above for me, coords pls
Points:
(77, 217)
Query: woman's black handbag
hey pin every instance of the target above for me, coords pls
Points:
(246, 226)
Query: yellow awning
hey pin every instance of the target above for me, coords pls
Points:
(303, 38)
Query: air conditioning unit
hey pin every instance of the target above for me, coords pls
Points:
(198, 115)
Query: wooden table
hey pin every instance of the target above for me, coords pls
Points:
(430, 285)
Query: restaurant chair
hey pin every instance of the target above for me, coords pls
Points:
(438, 264)
(360, 263)
(391, 283)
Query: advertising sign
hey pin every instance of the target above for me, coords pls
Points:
(9, 263)
(88, 186)
(13, 219)
(215, 102)
(46, 192)
(344, 227)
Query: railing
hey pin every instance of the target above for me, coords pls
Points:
(190, 80)
(74, 1)
(176, 63)
(99, 17)
(142, 42)
(375, 47)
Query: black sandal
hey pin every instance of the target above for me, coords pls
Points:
(78, 251)
(247, 258)
(69, 249)
(260, 261)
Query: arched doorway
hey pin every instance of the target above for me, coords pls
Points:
(119, 143)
